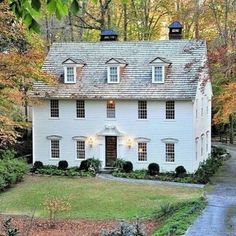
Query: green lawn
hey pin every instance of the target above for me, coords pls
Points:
(92, 198)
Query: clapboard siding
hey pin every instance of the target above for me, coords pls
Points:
(155, 128)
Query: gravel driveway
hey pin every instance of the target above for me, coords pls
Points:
(219, 217)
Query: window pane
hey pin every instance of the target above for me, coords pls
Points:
(202, 143)
(142, 151)
(55, 149)
(170, 110)
(80, 109)
(142, 109)
(111, 109)
(70, 74)
(158, 74)
(113, 74)
(207, 137)
(54, 106)
(170, 152)
(80, 149)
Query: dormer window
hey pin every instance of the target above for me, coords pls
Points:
(158, 74)
(113, 74)
(70, 74)
(70, 69)
(114, 66)
(158, 69)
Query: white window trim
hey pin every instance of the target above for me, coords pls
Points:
(80, 118)
(118, 74)
(65, 75)
(142, 140)
(153, 74)
(202, 107)
(52, 117)
(207, 142)
(170, 140)
(143, 119)
(79, 138)
(202, 145)
(196, 109)
(111, 118)
(196, 148)
(51, 158)
(168, 119)
(171, 162)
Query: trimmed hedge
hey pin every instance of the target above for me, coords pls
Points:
(37, 165)
(128, 167)
(62, 165)
(12, 170)
(90, 164)
(153, 169)
(70, 172)
(180, 171)
(205, 170)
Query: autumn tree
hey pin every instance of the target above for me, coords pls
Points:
(21, 57)
(222, 54)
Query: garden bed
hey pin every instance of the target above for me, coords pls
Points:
(203, 174)
(84, 227)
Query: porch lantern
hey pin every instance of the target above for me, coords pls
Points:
(90, 142)
(129, 143)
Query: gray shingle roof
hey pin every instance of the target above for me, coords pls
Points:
(186, 57)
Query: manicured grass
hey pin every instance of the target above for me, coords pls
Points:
(92, 198)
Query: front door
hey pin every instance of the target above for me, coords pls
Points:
(111, 150)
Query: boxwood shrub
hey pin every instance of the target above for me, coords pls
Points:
(12, 170)
(180, 171)
(90, 164)
(153, 169)
(128, 167)
(62, 165)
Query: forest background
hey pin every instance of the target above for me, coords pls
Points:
(29, 27)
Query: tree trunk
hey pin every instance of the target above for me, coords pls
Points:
(47, 32)
(72, 39)
(196, 19)
(125, 22)
(231, 129)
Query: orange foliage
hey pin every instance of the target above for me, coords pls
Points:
(20, 66)
(227, 100)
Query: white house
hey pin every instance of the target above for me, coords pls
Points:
(145, 102)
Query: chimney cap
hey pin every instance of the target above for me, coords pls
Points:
(108, 32)
(175, 25)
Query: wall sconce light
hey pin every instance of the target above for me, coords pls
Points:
(129, 143)
(90, 142)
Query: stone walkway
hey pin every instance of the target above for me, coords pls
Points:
(219, 217)
(146, 181)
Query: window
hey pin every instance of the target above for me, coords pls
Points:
(111, 109)
(54, 107)
(170, 152)
(80, 149)
(196, 146)
(207, 137)
(70, 74)
(170, 110)
(196, 108)
(113, 74)
(80, 109)
(142, 109)
(55, 149)
(202, 143)
(158, 74)
(142, 151)
(202, 105)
